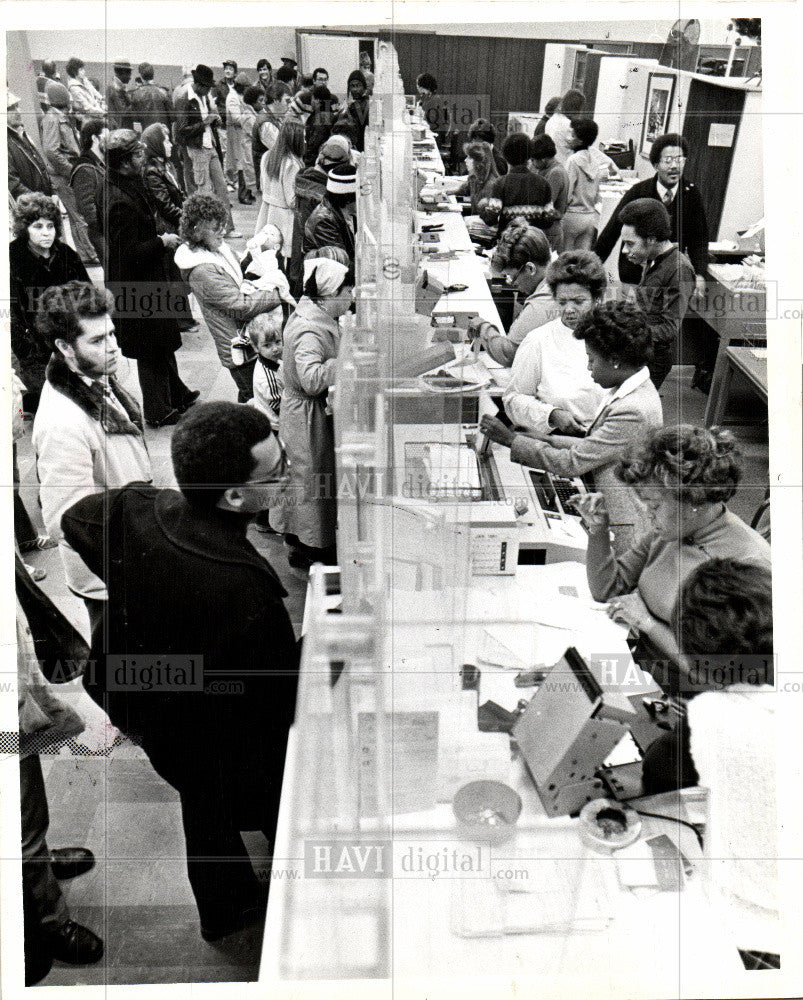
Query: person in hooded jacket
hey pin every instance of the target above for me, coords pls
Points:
(330, 224)
(309, 360)
(214, 274)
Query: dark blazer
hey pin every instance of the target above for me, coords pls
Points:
(689, 227)
(118, 105)
(29, 276)
(27, 170)
(189, 124)
(136, 270)
(164, 194)
(327, 227)
(185, 582)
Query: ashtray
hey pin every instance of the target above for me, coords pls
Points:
(486, 810)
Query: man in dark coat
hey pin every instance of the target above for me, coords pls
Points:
(150, 104)
(329, 225)
(680, 197)
(205, 661)
(146, 319)
(118, 97)
(27, 170)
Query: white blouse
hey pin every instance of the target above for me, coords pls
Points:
(550, 371)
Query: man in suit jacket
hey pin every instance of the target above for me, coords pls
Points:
(27, 171)
(667, 280)
(681, 199)
(220, 744)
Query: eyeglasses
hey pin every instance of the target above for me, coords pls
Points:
(274, 477)
(668, 161)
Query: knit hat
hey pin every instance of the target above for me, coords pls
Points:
(122, 64)
(153, 139)
(342, 179)
(301, 104)
(336, 149)
(329, 274)
(203, 75)
(124, 140)
(58, 95)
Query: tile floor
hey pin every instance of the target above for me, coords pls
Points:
(137, 897)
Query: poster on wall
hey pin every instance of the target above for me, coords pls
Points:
(658, 109)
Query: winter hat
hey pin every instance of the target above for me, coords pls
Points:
(58, 95)
(342, 179)
(336, 149)
(329, 274)
(357, 74)
(203, 75)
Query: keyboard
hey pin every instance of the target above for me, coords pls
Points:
(553, 491)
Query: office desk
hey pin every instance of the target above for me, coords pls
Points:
(744, 360)
(430, 929)
(737, 316)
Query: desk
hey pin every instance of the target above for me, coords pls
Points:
(737, 316)
(744, 360)
(386, 936)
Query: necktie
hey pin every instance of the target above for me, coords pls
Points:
(669, 196)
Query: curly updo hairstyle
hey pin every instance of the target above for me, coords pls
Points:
(199, 208)
(31, 207)
(577, 267)
(700, 464)
(617, 331)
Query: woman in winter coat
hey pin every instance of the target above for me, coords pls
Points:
(216, 279)
(88, 176)
(279, 168)
(38, 259)
(311, 341)
(167, 201)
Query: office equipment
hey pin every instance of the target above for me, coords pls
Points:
(566, 733)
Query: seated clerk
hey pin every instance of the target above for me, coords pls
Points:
(667, 281)
(522, 256)
(725, 611)
(551, 388)
(682, 200)
(481, 168)
(520, 193)
(684, 476)
(545, 163)
(618, 344)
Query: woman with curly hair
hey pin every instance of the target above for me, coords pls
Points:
(481, 167)
(684, 476)
(617, 343)
(38, 259)
(551, 388)
(215, 276)
(521, 257)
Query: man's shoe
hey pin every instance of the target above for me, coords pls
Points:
(74, 944)
(233, 235)
(172, 418)
(190, 399)
(70, 862)
(35, 572)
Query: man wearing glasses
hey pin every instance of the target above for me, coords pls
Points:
(682, 200)
(196, 658)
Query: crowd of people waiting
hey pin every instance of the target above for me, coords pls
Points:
(144, 181)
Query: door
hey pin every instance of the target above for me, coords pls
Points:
(711, 126)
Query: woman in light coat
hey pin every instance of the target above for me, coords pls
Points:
(278, 170)
(214, 275)
(311, 341)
